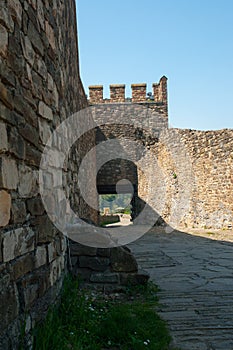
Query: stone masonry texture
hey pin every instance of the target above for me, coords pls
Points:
(39, 88)
(186, 180)
(196, 166)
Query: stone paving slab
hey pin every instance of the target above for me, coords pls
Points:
(195, 275)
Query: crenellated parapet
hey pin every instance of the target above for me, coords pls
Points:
(96, 94)
(157, 98)
(139, 93)
(117, 93)
(160, 92)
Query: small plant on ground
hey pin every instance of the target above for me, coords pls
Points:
(87, 320)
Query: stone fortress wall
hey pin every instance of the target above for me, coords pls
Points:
(158, 100)
(134, 119)
(209, 179)
(188, 178)
(40, 87)
(192, 179)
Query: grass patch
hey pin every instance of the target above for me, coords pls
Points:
(96, 321)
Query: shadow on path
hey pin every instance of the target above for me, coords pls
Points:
(195, 277)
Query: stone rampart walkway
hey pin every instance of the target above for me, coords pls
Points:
(195, 275)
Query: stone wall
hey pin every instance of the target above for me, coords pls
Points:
(188, 178)
(211, 155)
(39, 88)
(137, 119)
(156, 100)
(106, 268)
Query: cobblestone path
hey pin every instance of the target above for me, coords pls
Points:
(195, 277)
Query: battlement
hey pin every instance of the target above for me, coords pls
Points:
(139, 93)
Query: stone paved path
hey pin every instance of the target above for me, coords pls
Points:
(195, 275)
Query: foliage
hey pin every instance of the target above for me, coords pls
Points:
(87, 320)
(115, 201)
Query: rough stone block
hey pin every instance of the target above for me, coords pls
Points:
(140, 278)
(41, 68)
(37, 85)
(33, 3)
(122, 260)
(6, 114)
(33, 156)
(82, 273)
(15, 62)
(74, 260)
(3, 137)
(104, 252)
(50, 35)
(63, 243)
(50, 83)
(5, 206)
(17, 242)
(5, 96)
(45, 111)
(9, 306)
(45, 131)
(29, 133)
(57, 242)
(7, 76)
(94, 263)
(45, 229)
(55, 96)
(35, 39)
(5, 280)
(35, 206)
(25, 109)
(56, 269)
(14, 46)
(18, 211)
(15, 10)
(28, 50)
(34, 286)
(52, 252)
(16, 143)
(22, 266)
(28, 182)
(5, 17)
(78, 249)
(3, 41)
(40, 256)
(40, 13)
(8, 173)
(106, 277)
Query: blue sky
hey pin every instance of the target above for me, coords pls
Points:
(138, 41)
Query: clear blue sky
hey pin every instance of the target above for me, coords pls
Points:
(189, 41)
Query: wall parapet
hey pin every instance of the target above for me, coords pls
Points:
(139, 94)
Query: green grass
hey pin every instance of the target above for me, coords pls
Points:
(86, 320)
